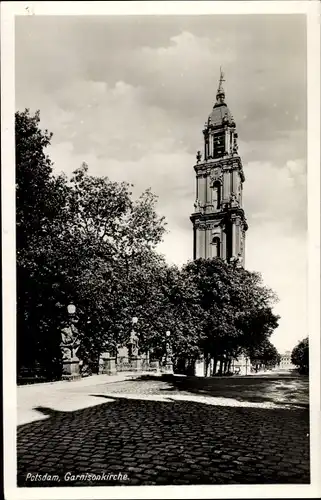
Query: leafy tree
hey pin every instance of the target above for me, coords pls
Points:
(300, 356)
(78, 242)
(236, 310)
(40, 198)
(264, 355)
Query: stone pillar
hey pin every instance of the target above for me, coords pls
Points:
(234, 254)
(110, 366)
(197, 243)
(168, 366)
(226, 185)
(223, 246)
(200, 235)
(202, 189)
(243, 236)
(70, 369)
(227, 140)
(199, 368)
(205, 243)
(230, 150)
(208, 190)
(136, 363)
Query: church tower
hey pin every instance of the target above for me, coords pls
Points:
(219, 223)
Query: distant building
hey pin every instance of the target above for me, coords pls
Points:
(286, 362)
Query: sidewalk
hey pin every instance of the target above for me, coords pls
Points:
(63, 395)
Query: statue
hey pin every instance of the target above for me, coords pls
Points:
(197, 205)
(235, 146)
(70, 342)
(233, 200)
(198, 156)
(133, 343)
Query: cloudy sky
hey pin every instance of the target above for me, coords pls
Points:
(129, 95)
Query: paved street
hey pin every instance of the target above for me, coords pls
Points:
(176, 430)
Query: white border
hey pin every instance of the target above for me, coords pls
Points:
(8, 11)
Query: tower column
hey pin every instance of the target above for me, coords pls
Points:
(227, 140)
(223, 245)
(208, 190)
(234, 253)
(226, 185)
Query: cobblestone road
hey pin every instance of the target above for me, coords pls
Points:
(165, 441)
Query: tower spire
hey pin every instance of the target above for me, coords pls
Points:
(220, 94)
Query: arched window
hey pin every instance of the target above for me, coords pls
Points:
(217, 247)
(217, 195)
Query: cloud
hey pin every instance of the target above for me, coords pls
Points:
(278, 195)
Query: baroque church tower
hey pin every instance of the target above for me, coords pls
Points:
(219, 223)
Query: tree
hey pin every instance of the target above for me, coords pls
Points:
(40, 199)
(107, 236)
(76, 241)
(236, 310)
(264, 355)
(300, 356)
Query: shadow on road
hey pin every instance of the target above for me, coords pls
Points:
(157, 442)
(280, 391)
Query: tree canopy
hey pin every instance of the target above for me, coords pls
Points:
(300, 356)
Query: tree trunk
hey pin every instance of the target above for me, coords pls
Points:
(205, 365)
(229, 365)
(214, 365)
(225, 365)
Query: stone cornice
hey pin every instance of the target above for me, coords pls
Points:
(236, 213)
(227, 163)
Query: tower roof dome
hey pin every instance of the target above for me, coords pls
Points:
(220, 115)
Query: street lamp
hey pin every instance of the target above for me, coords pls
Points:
(71, 308)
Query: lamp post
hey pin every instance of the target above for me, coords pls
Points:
(69, 346)
(168, 354)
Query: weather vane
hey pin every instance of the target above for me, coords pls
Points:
(221, 76)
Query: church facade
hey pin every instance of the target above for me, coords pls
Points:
(219, 223)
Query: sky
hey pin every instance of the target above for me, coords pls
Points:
(129, 95)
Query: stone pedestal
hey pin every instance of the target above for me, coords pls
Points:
(168, 368)
(70, 369)
(136, 363)
(110, 366)
(200, 368)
